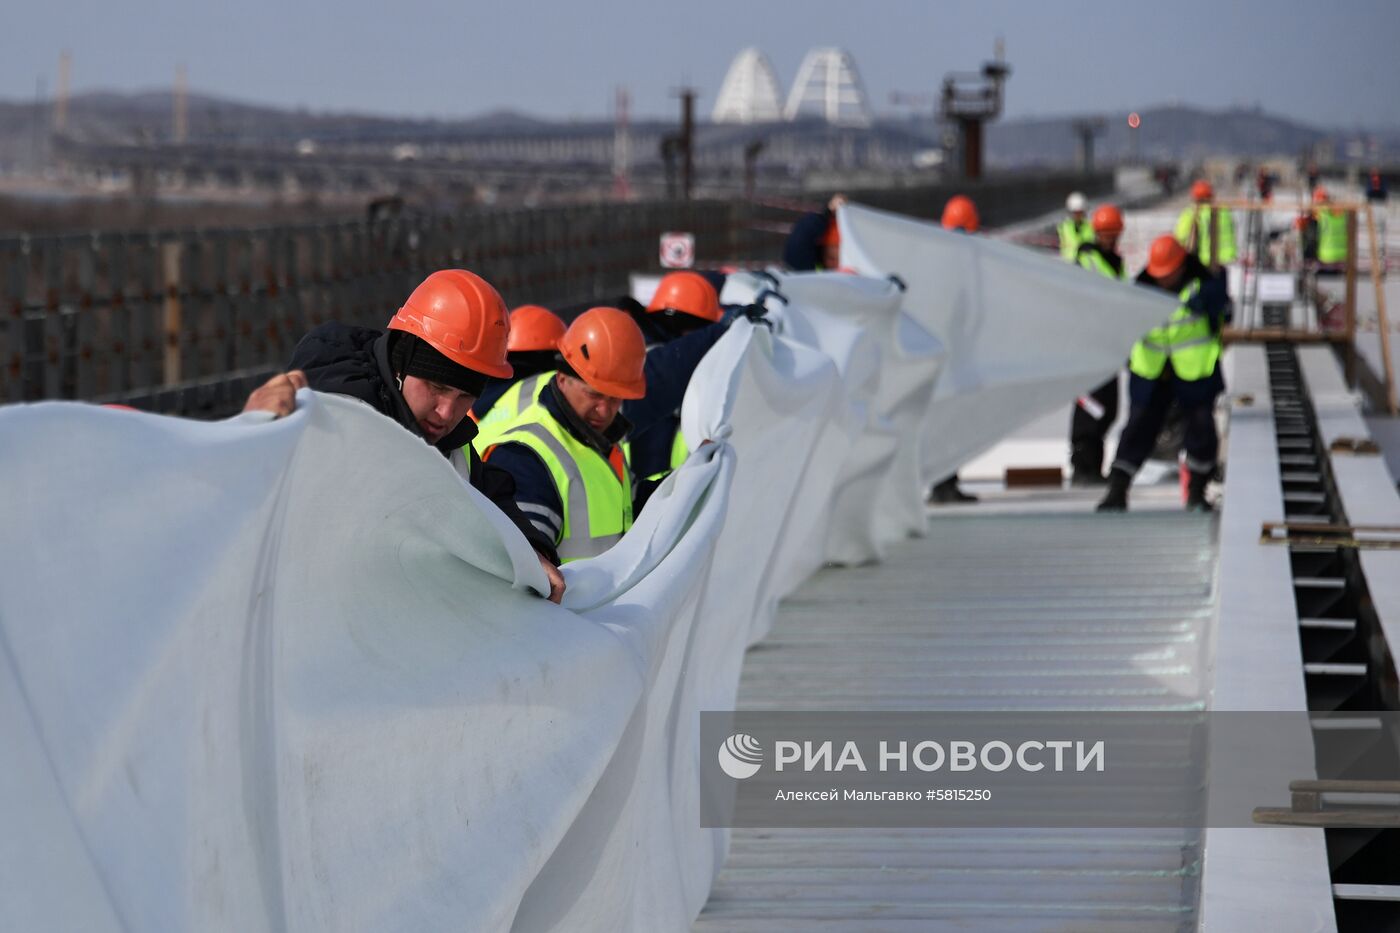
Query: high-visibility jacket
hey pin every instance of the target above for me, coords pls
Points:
(596, 491)
(520, 396)
(1331, 236)
(1193, 232)
(1187, 339)
(1092, 259)
(679, 451)
(1074, 234)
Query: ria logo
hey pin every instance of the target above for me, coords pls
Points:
(740, 756)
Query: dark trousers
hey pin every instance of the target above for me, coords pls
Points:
(1088, 427)
(1151, 399)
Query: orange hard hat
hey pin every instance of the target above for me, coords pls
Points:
(1107, 219)
(689, 293)
(461, 316)
(961, 214)
(1201, 190)
(533, 328)
(1320, 195)
(1165, 256)
(606, 349)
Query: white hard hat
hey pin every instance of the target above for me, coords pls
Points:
(1075, 202)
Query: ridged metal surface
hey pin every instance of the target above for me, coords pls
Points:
(1040, 610)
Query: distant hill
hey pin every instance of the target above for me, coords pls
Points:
(1167, 133)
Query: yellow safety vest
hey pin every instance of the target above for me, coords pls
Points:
(1072, 236)
(1331, 236)
(1199, 216)
(520, 396)
(596, 491)
(1093, 260)
(1186, 339)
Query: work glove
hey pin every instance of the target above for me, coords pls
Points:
(756, 314)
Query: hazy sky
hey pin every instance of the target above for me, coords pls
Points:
(1335, 64)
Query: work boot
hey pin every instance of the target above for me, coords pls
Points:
(948, 493)
(1087, 477)
(1196, 500)
(1116, 499)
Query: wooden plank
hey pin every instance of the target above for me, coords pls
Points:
(1383, 322)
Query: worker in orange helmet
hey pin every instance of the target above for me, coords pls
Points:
(534, 338)
(1095, 412)
(424, 371)
(960, 215)
(564, 451)
(1331, 233)
(1176, 361)
(814, 242)
(1194, 226)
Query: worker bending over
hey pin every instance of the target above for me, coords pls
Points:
(571, 476)
(1095, 413)
(1179, 360)
(424, 371)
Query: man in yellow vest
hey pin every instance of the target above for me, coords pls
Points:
(1095, 413)
(1331, 232)
(1194, 226)
(1075, 229)
(571, 478)
(1180, 360)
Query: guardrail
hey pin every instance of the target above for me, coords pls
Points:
(187, 321)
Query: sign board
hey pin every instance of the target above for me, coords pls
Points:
(677, 250)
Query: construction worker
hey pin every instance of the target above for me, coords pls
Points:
(683, 320)
(571, 475)
(534, 337)
(1075, 230)
(1193, 227)
(1375, 187)
(424, 371)
(1331, 231)
(814, 243)
(960, 215)
(680, 324)
(1095, 413)
(1177, 361)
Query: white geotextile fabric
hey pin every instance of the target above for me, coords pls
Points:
(294, 675)
(1024, 331)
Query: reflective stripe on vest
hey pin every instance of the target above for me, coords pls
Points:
(1198, 217)
(1331, 236)
(1072, 236)
(596, 493)
(520, 396)
(1186, 339)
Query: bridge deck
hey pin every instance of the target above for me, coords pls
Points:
(1016, 604)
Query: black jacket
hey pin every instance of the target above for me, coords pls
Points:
(354, 361)
(802, 252)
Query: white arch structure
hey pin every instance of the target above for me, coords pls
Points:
(828, 85)
(750, 92)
